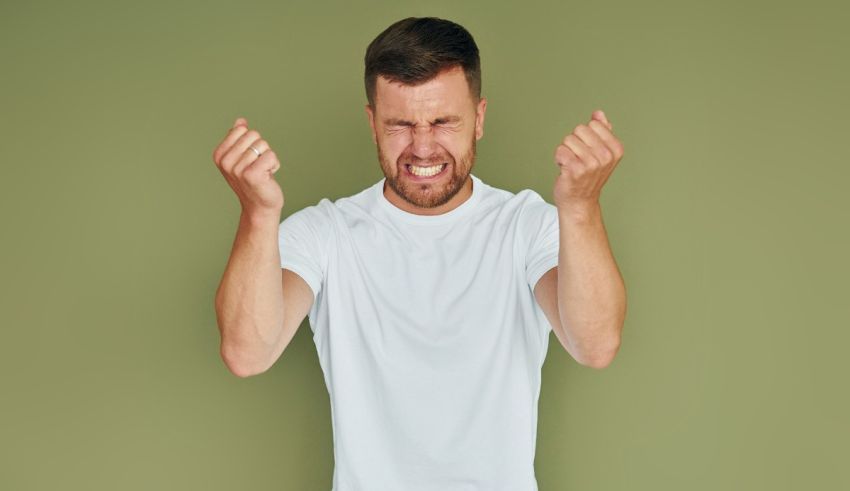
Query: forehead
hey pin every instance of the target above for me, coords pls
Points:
(448, 91)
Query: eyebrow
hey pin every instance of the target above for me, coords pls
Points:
(402, 122)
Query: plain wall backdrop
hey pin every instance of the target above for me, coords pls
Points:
(728, 217)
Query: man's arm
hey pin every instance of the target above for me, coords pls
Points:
(249, 300)
(589, 291)
(258, 306)
(584, 297)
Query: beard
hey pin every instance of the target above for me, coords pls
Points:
(428, 195)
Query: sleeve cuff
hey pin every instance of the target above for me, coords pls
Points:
(313, 279)
(535, 272)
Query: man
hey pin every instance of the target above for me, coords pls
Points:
(430, 293)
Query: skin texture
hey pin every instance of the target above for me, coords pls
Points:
(438, 121)
(258, 305)
(251, 176)
(584, 297)
(433, 122)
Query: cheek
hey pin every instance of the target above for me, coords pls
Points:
(454, 144)
(392, 147)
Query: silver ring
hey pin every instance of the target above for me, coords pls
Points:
(255, 151)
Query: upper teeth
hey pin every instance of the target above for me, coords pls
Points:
(426, 171)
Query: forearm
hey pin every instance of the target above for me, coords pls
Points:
(249, 301)
(591, 291)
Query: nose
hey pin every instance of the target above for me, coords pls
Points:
(423, 141)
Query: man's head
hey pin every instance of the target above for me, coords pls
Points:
(423, 83)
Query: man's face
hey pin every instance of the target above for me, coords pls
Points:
(426, 136)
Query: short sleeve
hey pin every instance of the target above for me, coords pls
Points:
(541, 225)
(302, 241)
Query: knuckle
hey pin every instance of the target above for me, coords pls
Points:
(231, 162)
(253, 134)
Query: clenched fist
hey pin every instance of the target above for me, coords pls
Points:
(586, 158)
(250, 173)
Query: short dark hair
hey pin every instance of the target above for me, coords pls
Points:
(416, 49)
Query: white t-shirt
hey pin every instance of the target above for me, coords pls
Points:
(429, 336)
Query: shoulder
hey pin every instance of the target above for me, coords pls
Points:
(534, 205)
(326, 208)
(506, 200)
(531, 198)
(525, 204)
(312, 224)
(534, 215)
(327, 214)
(315, 215)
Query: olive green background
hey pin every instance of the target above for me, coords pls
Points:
(728, 216)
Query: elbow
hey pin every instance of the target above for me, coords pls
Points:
(239, 365)
(598, 363)
(243, 371)
(602, 353)
(601, 357)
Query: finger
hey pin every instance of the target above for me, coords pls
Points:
(583, 152)
(240, 121)
(611, 141)
(265, 165)
(233, 134)
(249, 156)
(595, 143)
(565, 156)
(237, 150)
(275, 166)
(600, 116)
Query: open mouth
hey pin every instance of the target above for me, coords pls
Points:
(420, 173)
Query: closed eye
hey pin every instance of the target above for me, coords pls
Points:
(447, 121)
(400, 124)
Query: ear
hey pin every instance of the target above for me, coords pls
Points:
(479, 118)
(371, 116)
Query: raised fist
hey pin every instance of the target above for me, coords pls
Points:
(586, 157)
(248, 165)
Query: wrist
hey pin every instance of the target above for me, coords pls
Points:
(580, 211)
(260, 217)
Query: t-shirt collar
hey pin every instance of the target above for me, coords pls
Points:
(440, 219)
